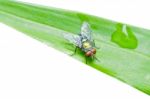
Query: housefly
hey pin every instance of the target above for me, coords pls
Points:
(84, 41)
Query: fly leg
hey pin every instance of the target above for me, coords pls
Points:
(86, 59)
(74, 51)
(94, 57)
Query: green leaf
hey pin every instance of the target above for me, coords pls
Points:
(124, 52)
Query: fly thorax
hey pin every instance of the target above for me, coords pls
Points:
(84, 40)
(86, 45)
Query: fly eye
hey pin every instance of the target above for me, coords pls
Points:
(94, 51)
(89, 53)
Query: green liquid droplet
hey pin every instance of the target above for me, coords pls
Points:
(124, 37)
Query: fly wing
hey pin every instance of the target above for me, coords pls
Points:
(74, 39)
(86, 31)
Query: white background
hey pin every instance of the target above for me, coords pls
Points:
(31, 70)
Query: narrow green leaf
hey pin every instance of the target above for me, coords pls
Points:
(124, 52)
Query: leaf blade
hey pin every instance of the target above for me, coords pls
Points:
(48, 25)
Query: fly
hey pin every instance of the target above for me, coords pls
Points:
(83, 41)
